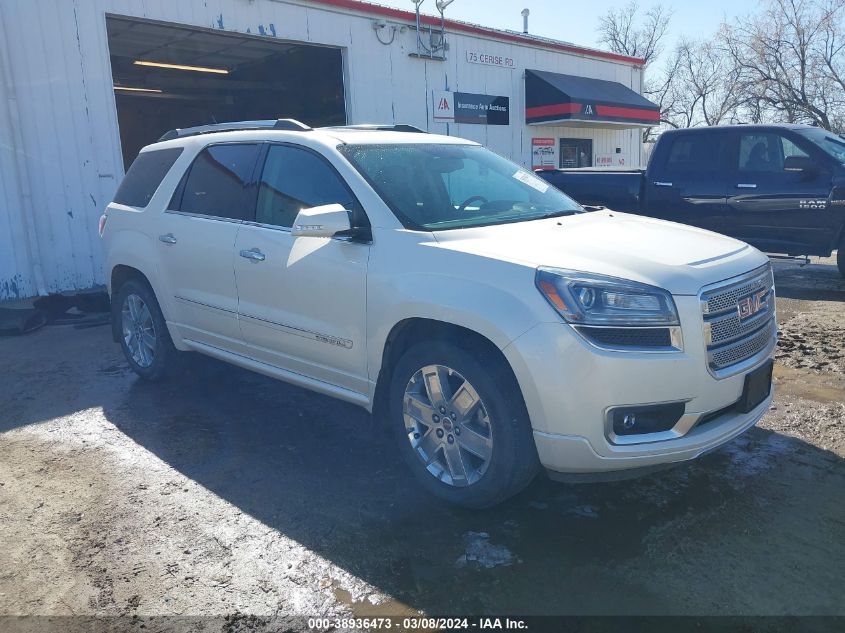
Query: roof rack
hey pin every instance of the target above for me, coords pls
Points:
(290, 125)
(375, 127)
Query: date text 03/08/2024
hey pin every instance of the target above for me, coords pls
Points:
(418, 623)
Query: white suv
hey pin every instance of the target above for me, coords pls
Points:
(496, 325)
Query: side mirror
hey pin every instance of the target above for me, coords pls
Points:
(327, 220)
(799, 164)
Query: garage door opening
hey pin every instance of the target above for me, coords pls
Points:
(170, 76)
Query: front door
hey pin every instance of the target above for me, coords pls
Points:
(687, 182)
(195, 239)
(576, 152)
(775, 209)
(302, 301)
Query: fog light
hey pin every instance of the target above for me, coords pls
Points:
(640, 420)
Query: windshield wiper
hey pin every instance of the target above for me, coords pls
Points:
(557, 214)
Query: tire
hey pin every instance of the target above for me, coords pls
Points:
(496, 426)
(135, 310)
(840, 257)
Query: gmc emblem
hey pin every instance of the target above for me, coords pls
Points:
(752, 304)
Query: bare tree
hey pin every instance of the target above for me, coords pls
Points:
(789, 60)
(624, 31)
(704, 88)
(628, 32)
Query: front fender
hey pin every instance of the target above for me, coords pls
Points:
(488, 307)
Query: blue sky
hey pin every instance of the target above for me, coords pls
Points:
(576, 20)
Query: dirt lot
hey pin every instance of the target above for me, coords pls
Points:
(222, 493)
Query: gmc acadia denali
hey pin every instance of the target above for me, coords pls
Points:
(496, 325)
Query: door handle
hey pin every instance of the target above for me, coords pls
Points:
(167, 239)
(746, 185)
(658, 183)
(254, 254)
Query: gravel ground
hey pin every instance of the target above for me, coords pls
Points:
(235, 501)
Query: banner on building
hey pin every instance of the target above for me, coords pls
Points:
(467, 107)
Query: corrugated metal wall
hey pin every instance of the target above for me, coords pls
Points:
(60, 159)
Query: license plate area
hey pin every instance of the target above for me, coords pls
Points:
(758, 386)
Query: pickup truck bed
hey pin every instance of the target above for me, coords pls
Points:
(615, 189)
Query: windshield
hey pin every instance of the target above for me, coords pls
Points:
(832, 144)
(437, 187)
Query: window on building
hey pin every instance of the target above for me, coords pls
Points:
(294, 179)
(145, 175)
(216, 183)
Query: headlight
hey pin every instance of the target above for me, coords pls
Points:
(598, 300)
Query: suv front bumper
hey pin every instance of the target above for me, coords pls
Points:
(570, 385)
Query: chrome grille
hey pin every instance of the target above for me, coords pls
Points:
(731, 340)
(728, 327)
(725, 297)
(728, 355)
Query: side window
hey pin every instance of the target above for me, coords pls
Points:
(791, 149)
(216, 183)
(696, 153)
(145, 175)
(765, 152)
(294, 179)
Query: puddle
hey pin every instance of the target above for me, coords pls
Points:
(374, 606)
(790, 381)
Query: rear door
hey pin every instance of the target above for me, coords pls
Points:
(774, 209)
(196, 240)
(687, 181)
(302, 301)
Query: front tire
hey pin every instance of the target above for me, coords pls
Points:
(143, 333)
(461, 424)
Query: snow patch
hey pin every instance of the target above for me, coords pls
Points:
(480, 552)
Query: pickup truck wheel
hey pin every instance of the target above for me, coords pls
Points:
(144, 337)
(840, 257)
(461, 425)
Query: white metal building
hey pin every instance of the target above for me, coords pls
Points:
(86, 83)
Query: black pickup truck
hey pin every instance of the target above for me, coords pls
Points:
(780, 188)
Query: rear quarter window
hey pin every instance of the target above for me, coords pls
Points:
(145, 175)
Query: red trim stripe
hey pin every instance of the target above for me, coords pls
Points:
(552, 110)
(464, 27)
(616, 112)
(628, 113)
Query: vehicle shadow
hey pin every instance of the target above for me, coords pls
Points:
(722, 535)
(813, 282)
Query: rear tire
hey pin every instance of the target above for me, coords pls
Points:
(461, 424)
(143, 334)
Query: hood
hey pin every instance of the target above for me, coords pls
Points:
(673, 256)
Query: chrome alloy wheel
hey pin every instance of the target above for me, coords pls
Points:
(138, 330)
(447, 425)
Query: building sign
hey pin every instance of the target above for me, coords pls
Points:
(543, 153)
(482, 109)
(444, 105)
(500, 61)
(466, 107)
(612, 160)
